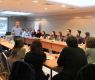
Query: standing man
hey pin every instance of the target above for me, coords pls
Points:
(17, 30)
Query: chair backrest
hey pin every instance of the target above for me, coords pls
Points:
(86, 73)
(8, 33)
(22, 71)
(5, 62)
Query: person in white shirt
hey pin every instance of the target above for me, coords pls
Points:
(17, 30)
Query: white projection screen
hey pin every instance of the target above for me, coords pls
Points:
(3, 25)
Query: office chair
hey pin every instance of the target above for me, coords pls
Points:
(5, 65)
(22, 71)
(86, 73)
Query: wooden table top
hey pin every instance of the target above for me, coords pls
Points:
(51, 61)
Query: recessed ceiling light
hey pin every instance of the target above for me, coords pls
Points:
(16, 13)
(35, 1)
(45, 8)
(63, 6)
(0, 1)
(79, 3)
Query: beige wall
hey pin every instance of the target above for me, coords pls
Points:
(82, 21)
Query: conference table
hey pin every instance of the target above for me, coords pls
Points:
(8, 44)
(56, 46)
(50, 63)
(51, 45)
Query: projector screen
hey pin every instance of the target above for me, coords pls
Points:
(3, 25)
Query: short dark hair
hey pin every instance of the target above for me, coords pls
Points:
(18, 43)
(87, 33)
(79, 32)
(60, 33)
(36, 46)
(54, 32)
(72, 41)
(69, 30)
(90, 42)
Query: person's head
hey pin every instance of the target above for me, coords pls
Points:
(33, 30)
(78, 32)
(53, 33)
(17, 24)
(22, 71)
(68, 31)
(43, 33)
(72, 41)
(26, 30)
(87, 34)
(90, 42)
(23, 30)
(60, 33)
(18, 43)
(36, 46)
(38, 31)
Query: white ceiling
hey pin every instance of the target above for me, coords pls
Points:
(42, 7)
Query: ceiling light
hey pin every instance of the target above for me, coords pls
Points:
(45, 8)
(15, 13)
(79, 3)
(0, 1)
(63, 6)
(3, 18)
(35, 1)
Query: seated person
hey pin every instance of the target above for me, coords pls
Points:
(87, 35)
(60, 36)
(78, 36)
(33, 33)
(43, 35)
(90, 49)
(18, 52)
(48, 36)
(53, 36)
(38, 34)
(68, 33)
(36, 57)
(72, 58)
(26, 33)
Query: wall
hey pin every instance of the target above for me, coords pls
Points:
(80, 21)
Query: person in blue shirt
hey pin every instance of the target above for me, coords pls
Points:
(17, 30)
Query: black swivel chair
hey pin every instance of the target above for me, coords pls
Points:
(4, 65)
(86, 73)
(4, 62)
(22, 71)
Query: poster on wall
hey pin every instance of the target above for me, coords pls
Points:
(37, 26)
(3, 25)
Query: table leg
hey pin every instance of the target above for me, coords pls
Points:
(50, 74)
